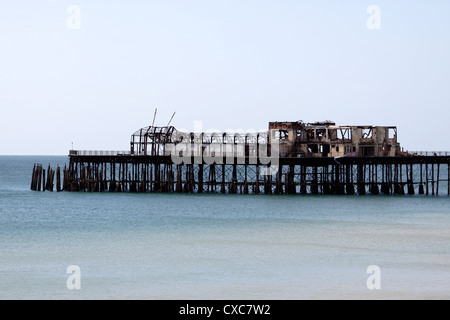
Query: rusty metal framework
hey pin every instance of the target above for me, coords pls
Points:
(161, 141)
(152, 140)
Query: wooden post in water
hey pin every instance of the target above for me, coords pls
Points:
(97, 178)
(257, 180)
(150, 182)
(186, 179)
(105, 179)
(178, 187)
(65, 179)
(437, 180)
(375, 189)
(290, 186)
(89, 177)
(278, 181)
(222, 187)
(401, 190)
(131, 183)
(143, 186)
(391, 180)
(45, 186)
(303, 189)
(82, 177)
(432, 179)
(58, 179)
(421, 180)
(314, 184)
(200, 178)
(348, 175)
(172, 180)
(51, 180)
(336, 180)
(32, 177)
(43, 179)
(245, 179)
(269, 181)
(324, 180)
(410, 179)
(448, 178)
(396, 179)
(361, 180)
(38, 177)
(112, 186)
(192, 179)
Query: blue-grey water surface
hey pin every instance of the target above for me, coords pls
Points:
(213, 246)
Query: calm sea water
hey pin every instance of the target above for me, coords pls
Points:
(189, 246)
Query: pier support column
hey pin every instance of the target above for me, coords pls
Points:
(200, 178)
(361, 180)
(303, 189)
(314, 183)
(437, 179)
(410, 175)
(432, 179)
(348, 180)
(256, 191)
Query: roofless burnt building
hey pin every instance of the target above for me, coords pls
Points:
(288, 158)
(325, 139)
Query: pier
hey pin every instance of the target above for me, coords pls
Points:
(348, 175)
(290, 158)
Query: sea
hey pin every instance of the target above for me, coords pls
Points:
(153, 246)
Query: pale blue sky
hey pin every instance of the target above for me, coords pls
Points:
(230, 64)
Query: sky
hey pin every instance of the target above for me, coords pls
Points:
(88, 74)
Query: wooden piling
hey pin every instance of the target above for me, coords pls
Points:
(410, 180)
(314, 183)
(361, 180)
(437, 180)
(432, 179)
(303, 188)
(222, 187)
(33, 177)
(257, 191)
(200, 178)
(43, 179)
(58, 179)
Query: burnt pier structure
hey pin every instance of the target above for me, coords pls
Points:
(290, 158)
(127, 173)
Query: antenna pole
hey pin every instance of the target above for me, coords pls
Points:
(171, 119)
(154, 117)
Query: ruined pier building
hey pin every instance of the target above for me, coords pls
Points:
(288, 158)
(294, 139)
(325, 139)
